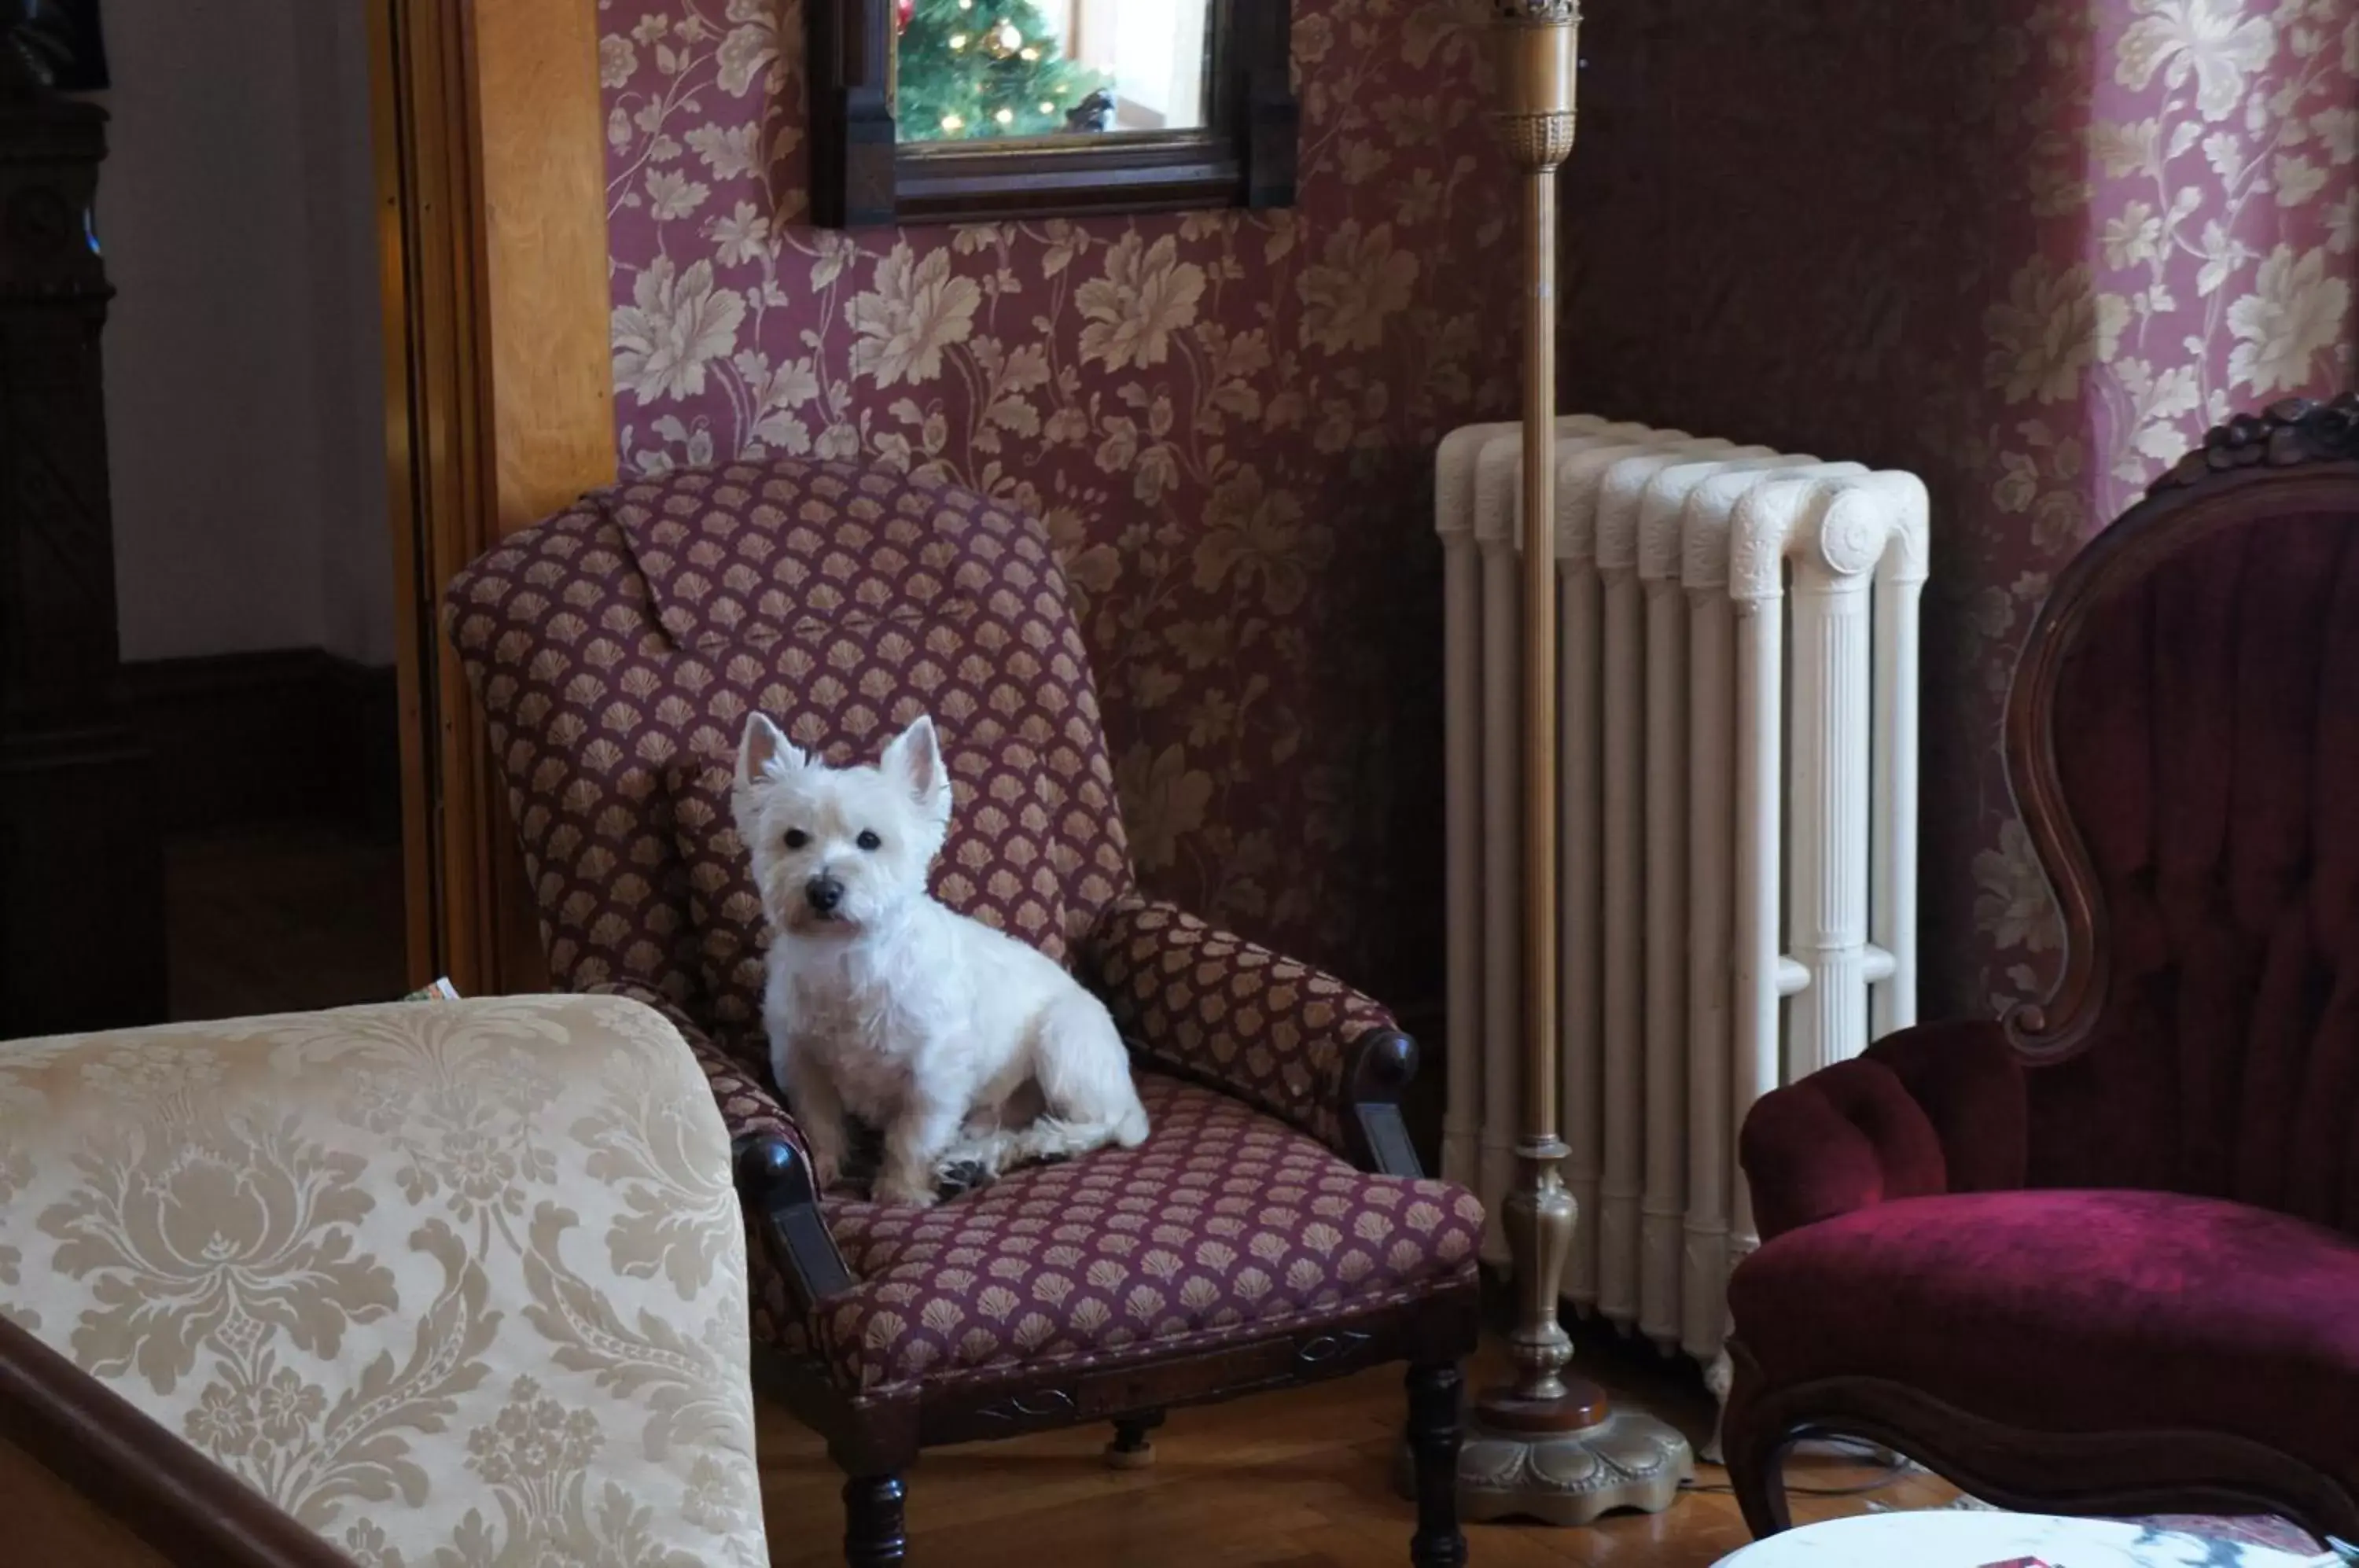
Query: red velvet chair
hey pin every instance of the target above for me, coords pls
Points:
(1274, 1229)
(2100, 1257)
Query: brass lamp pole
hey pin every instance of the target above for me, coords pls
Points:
(1547, 1447)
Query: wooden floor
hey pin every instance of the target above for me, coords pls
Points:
(281, 918)
(1293, 1480)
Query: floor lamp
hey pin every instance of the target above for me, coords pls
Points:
(1547, 1447)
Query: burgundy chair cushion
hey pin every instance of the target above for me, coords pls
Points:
(2075, 1311)
(1226, 1224)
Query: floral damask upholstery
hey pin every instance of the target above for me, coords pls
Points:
(447, 1282)
(617, 649)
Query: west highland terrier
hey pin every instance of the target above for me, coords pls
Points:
(970, 1050)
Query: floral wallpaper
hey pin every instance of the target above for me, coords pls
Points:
(2031, 248)
(1225, 420)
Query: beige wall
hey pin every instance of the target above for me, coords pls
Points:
(244, 393)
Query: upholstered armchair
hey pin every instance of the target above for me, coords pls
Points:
(1273, 1230)
(424, 1283)
(2099, 1257)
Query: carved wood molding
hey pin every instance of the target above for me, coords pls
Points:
(1046, 1404)
(1438, 1328)
(2295, 458)
(1321, 1348)
(2284, 435)
(58, 620)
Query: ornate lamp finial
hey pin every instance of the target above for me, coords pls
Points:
(1534, 115)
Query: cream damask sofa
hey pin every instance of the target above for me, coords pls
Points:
(451, 1283)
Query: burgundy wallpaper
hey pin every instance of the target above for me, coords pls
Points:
(1226, 421)
(2030, 248)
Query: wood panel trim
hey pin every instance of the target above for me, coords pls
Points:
(191, 1511)
(540, 131)
(491, 169)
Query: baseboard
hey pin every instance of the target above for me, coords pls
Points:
(248, 737)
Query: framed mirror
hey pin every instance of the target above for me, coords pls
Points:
(956, 111)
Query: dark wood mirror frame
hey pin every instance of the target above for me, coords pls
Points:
(862, 174)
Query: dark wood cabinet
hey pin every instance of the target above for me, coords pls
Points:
(82, 920)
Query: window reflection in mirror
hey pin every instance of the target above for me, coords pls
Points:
(975, 70)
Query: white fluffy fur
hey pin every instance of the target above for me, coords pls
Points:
(965, 1046)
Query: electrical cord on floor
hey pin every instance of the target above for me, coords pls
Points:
(1888, 1471)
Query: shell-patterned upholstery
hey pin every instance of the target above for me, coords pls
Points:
(617, 649)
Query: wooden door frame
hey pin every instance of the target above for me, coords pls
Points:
(490, 151)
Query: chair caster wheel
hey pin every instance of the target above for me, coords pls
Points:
(1130, 1449)
(1142, 1457)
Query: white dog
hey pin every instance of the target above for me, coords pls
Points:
(967, 1048)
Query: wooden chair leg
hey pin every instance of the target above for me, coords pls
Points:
(874, 1534)
(1756, 1474)
(1131, 1448)
(1435, 1430)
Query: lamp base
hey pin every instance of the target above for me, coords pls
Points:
(1566, 1466)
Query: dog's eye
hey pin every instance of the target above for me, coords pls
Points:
(797, 838)
(868, 840)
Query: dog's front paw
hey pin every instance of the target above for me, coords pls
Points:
(958, 1176)
(826, 1170)
(902, 1191)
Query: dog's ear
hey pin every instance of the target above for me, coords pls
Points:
(915, 759)
(765, 753)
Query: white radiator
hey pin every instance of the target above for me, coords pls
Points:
(1738, 672)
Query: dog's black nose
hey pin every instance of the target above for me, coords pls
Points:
(823, 894)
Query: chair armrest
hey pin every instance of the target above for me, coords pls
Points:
(1275, 1033)
(1935, 1109)
(749, 1107)
(772, 1166)
(1968, 1080)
